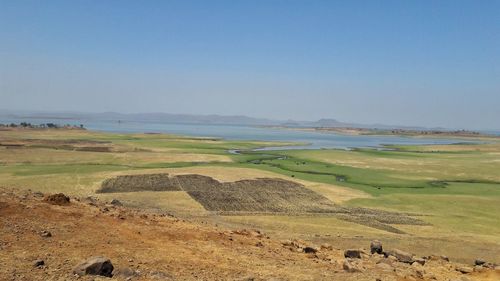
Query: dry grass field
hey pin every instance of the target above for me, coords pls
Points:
(453, 190)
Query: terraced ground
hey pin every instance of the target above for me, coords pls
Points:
(256, 197)
(455, 189)
(262, 195)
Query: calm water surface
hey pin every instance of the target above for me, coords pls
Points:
(315, 140)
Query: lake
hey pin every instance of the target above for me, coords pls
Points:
(316, 140)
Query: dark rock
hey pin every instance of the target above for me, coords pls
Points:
(45, 233)
(38, 263)
(310, 249)
(479, 262)
(353, 254)
(116, 202)
(376, 247)
(95, 266)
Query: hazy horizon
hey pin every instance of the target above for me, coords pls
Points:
(420, 63)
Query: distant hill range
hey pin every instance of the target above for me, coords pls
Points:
(198, 119)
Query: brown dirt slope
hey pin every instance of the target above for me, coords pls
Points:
(154, 246)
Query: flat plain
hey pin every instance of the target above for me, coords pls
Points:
(454, 190)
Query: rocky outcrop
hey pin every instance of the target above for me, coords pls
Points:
(95, 266)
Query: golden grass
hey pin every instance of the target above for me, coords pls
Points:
(175, 202)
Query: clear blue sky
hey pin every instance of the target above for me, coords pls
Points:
(431, 63)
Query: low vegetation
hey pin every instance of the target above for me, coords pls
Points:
(453, 190)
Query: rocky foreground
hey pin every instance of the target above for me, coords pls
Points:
(54, 237)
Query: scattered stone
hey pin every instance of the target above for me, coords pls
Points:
(353, 254)
(350, 267)
(45, 234)
(57, 199)
(39, 263)
(259, 244)
(465, 269)
(296, 245)
(95, 266)
(116, 202)
(376, 247)
(401, 256)
(479, 262)
(445, 258)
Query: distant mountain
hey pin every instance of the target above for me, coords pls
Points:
(147, 117)
(159, 117)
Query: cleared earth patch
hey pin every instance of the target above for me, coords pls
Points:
(257, 196)
(131, 183)
(263, 195)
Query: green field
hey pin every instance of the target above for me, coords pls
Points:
(454, 188)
